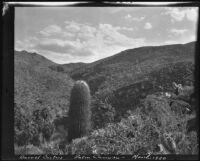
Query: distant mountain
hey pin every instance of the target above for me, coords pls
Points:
(73, 66)
(37, 86)
(67, 68)
(130, 65)
(153, 68)
(32, 59)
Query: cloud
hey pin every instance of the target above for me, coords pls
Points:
(72, 26)
(55, 47)
(168, 42)
(147, 26)
(126, 28)
(27, 44)
(94, 33)
(50, 30)
(101, 35)
(64, 48)
(192, 14)
(178, 31)
(130, 18)
(87, 32)
(115, 10)
(181, 40)
(180, 36)
(81, 41)
(178, 14)
(127, 17)
(175, 13)
(112, 36)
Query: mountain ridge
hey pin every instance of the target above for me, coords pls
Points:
(132, 60)
(121, 52)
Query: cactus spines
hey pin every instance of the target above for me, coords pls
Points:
(79, 111)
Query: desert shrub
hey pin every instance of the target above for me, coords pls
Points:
(178, 72)
(186, 143)
(51, 148)
(180, 107)
(22, 131)
(29, 128)
(57, 68)
(171, 122)
(42, 120)
(44, 148)
(120, 138)
(28, 150)
(152, 124)
(81, 146)
(156, 121)
(102, 113)
(159, 111)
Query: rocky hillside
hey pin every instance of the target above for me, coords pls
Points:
(67, 68)
(132, 65)
(129, 76)
(37, 86)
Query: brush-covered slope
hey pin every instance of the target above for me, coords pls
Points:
(72, 66)
(160, 80)
(32, 59)
(124, 79)
(132, 65)
(67, 68)
(37, 86)
(154, 128)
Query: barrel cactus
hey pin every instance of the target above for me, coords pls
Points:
(79, 111)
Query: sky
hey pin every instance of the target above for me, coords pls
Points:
(86, 34)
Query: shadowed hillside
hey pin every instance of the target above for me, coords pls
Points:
(159, 80)
(138, 72)
(73, 66)
(130, 65)
(67, 68)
